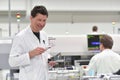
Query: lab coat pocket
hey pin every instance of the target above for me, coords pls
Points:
(28, 68)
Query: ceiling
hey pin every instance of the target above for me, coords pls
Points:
(76, 11)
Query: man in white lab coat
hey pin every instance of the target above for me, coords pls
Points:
(29, 50)
(107, 61)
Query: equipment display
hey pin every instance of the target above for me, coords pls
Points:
(93, 42)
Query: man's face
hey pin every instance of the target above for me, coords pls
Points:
(38, 22)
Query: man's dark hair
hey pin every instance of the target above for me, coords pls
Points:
(107, 41)
(39, 10)
(94, 28)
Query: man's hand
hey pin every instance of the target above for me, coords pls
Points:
(52, 63)
(36, 51)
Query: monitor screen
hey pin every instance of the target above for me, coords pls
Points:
(94, 42)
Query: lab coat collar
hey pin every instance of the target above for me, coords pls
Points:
(106, 50)
(30, 32)
(34, 37)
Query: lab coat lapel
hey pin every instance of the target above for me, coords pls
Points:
(42, 40)
(33, 37)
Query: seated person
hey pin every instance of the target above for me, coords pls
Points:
(117, 73)
(107, 61)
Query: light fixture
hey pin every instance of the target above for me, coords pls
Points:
(113, 22)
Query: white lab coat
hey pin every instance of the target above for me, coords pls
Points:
(105, 62)
(30, 69)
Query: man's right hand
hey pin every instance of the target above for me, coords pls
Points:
(36, 51)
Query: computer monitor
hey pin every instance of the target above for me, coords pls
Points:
(94, 42)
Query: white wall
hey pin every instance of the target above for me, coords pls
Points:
(0, 32)
(78, 28)
(15, 5)
(62, 28)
